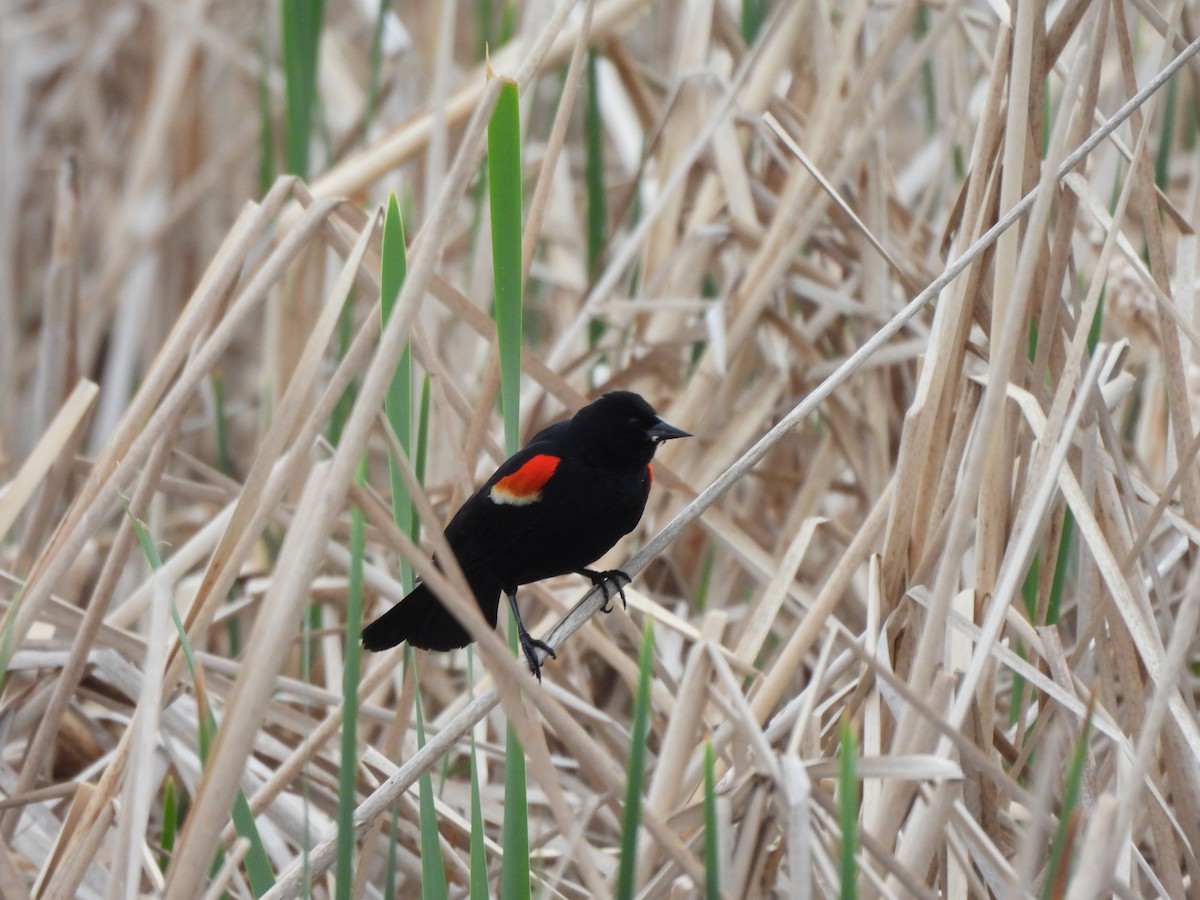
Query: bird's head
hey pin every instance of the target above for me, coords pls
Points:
(622, 429)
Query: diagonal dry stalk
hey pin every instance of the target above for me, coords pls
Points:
(942, 514)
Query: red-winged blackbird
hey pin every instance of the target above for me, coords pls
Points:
(554, 507)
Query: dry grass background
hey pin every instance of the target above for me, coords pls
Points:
(771, 209)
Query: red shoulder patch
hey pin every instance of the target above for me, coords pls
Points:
(525, 485)
(650, 471)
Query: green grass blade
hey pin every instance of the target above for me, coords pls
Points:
(514, 874)
(597, 209)
(394, 264)
(170, 820)
(256, 862)
(637, 769)
(1029, 592)
(504, 189)
(1058, 584)
(848, 813)
(301, 21)
(433, 867)
(6, 635)
(483, 24)
(704, 582)
(712, 868)
(145, 541)
(1058, 868)
(422, 445)
(150, 551)
(508, 21)
(754, 13)
(389, 868)
(479, 873)
(266, 116)
(398, 407)
(310, 624)
(348, 771)
(928, 88)
(397, 404)
(504, 200)
(221, 427)
(1166, 136)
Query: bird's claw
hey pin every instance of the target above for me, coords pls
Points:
(601, 580)
(530, 646)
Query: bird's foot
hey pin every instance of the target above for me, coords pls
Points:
(602, 579)
(530, 646)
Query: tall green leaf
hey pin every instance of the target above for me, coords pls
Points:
(1058, 868)
(504, 200)
(266, 116)
(348, 770)
(302, 21)
(597, 209)
(514, 874)
(754, 13)
(504, 185)
(848, 812)
(712, 844)
(479, 873)
(257, 863)
(397, 404)
(170, 820)
(433, 866)
(634, 784)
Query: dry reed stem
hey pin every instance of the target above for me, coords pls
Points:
(826, 254)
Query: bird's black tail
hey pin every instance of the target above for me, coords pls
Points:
(422, 620)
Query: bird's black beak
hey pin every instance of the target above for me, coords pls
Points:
(664, 431)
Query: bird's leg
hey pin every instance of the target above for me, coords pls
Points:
(529, 644)
(601, 580)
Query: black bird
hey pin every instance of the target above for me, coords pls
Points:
(554, 507)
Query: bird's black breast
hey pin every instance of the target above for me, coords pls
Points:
(582, 512)
(587, 511)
